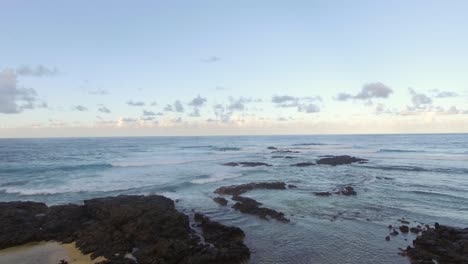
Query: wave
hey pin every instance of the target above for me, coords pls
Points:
(417, 169)
(92, 166)
(226, 148)
(197, 147)
(399, 150)
(309, 144)
(216, 178)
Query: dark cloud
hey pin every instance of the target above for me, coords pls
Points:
(178, 107)
(79, 108)
(197, 101)
(368, 92)
(419, 100)
(135, 103)
(15, 99)
(195, 113)
(443, 94)
(36, 71)
(99, 92)
(148, 118)
(309, 108)
(175, 107)
(104, 109)
(154, 103)
(211, 59)
(129, 120)
(303, 104)
(151, 113)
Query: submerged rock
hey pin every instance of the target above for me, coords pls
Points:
(220, 200)
(246, 164)
(283, 157)
(303, 164)
(443, 244)
(250, 206)
(272, 148)
(283, 151)
(340, 160)
(148, 226)
(348, 190)
(240, 189)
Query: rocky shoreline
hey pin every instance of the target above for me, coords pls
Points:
(124, 229)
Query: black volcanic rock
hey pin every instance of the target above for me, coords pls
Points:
(303, 164)
(250, 206)
(340, 160)
(323, 193)
(220, 200)
(240, 189)
(443, 244)
(246, 164)
(149, 226)
(228, 240)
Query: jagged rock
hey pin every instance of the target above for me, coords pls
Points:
(323, 193)
(250, 206)
(228, 240)
(416, 230)
(246, 164)
(404, 229)
(111, 227)
(220, 200)
(303, 164)
(443, 244)
(240, 189)
(292, 186)
(348, 190)
(340, 160)
(243, 199)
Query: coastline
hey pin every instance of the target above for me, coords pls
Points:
(46, 252)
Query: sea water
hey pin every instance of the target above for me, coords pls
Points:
(421, 178)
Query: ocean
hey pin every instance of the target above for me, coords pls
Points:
(422, 178)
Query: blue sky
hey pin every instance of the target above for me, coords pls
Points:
(72, 68)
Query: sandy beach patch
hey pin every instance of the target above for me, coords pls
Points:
(45, 253)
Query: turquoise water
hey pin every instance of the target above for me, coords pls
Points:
(420, 177)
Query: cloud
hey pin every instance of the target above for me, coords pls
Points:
(211, 59)
(148, 118)
(443, 94)
(36, 71)
(197, 101)
(99, 92)
(239, 104)
(154, 103)
(309, 108)
(104, 109)
(129, 120)
(419, 100)
(368, 92)
(175, 107)
(303, 104)
(79, 108)
(135, 103)
(151, 113)
(15, 99)
(195, 113)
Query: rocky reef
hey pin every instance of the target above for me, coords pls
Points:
(147, 228)
(250, 206)
(340, 160)
(347, 191)
(243, 188)
(441, 244)
(246, 164)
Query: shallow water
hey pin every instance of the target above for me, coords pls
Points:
(420, 177)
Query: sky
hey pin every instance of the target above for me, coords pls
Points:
(149, 68)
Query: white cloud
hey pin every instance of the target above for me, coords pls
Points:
(368, 92)
(135, 103)
(80, 108)
(36, 71)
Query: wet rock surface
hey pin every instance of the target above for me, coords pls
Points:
(246, 164)
(340, 160)
(283, 157)
(303, 164)
(148, 226)
(443, 244)
(220, 200)
(250, 206)
(347, 191)
(243, 188)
